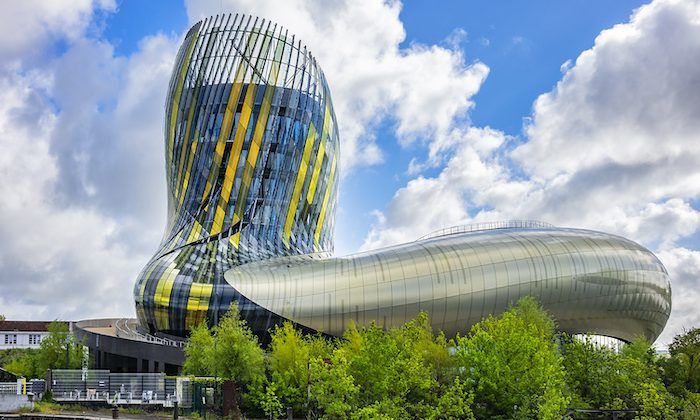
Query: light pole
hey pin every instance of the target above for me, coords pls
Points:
(67, 349)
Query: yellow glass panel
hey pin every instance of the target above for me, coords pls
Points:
(194, 233)
(176, 97)
(319, 156)
(186, 180)
(257, 139)
(299, 183)
(316, 171)
(185, 139)
(229, 114)
(238, 139)
(326, 198)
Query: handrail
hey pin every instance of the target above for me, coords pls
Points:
(475, 227)
(124, 330)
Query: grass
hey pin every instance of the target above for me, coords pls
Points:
(46, 407)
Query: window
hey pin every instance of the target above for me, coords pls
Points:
(10, 338)
(34, 339)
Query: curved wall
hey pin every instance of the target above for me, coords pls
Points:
(589, 281)
(251, 160)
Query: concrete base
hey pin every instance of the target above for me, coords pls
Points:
(13, 403)
(124, 355)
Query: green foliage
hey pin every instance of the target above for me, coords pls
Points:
(199, 352)
(685, 352)
(289, 357)
(2, 317)
(513, 365)
(51, 354)
(270, 402)
(690, 407)
(227, 351)
(6, 356)
(236, 354)
(601, 378)
(455, 402)
(333, 389)
(399, 373)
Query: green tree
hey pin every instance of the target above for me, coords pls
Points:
(270, 402)
(690, 407)
(685, 349)
(591, 373)
(332, 389)
(400, 372)
(513, 364)
(455, 402)
(236, 354)
(2, 317)
(228, 351)
(52, 353)
(289, 357)
(601, 378)
(6, 356)
(199, 352)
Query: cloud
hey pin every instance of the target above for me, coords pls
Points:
(423, 88)
(613, 147)
(684, 268)
(82, 162)
(633, 98)
(28, 26)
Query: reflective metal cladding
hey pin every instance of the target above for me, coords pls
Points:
(251, 151)
(589, 281)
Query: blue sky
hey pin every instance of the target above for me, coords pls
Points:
(578, 113)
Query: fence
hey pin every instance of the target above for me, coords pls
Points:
(119, 388)
(11, 388)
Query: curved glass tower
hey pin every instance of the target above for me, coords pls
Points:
(252, 161)
(251, 148)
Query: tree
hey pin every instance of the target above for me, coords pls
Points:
(685, 349)
(199, 352)
(2, 317)
(333, 390)
(289, 356)
(51, 354)
(591, 373)
(236, 354)
(603, 379)
(400, 372)
(513, 365)
(228, 351)
(455, 402)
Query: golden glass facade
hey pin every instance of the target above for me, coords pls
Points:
(251, 158)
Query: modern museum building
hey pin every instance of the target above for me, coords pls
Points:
(252, 164)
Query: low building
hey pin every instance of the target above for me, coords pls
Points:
(22, 334)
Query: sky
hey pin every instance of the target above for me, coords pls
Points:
(577, 113)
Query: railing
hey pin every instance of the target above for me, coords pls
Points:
(9, 388)
(118, 388)
(125, 329)
(475, 227)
